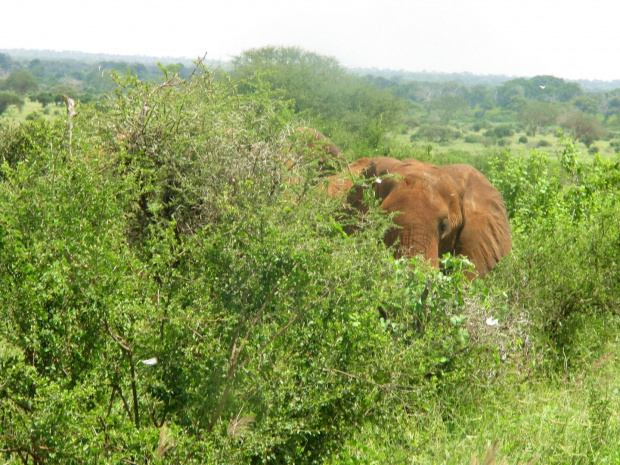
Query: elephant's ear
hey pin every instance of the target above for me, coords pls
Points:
(485, 234)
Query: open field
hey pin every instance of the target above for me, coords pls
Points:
(473, 144)
(30, 110)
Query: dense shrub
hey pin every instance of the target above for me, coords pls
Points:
(10, 98)
(168, 293)
(500, 131)
(474, 139)
(566, 226)
(435, 133)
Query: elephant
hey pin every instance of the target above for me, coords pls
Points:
(312, 146)
(438, 210)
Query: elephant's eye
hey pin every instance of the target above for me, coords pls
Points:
(443, 226)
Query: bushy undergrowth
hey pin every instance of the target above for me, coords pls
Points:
(567, 231)
(170, 292)
(169, 295)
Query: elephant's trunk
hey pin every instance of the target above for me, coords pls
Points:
(412, 244)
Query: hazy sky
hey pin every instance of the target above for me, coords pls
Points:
(569, 39)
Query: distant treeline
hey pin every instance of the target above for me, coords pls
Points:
(64, 73)
(369, 101)
(470, 79)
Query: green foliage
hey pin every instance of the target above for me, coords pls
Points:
(189, 144)
(171, 291)
(435, 133)
(18, 143)
(586, 103)
(569, 223)
(500, 131)
(44, 98)
(525, 185)
(536, 115)
(323, 90)
(165, 298)
(448, 105)
(584, 127)
(611, 105)
(9, 98)
(515, 93)
(21, 82)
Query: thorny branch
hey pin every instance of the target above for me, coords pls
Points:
(233, 365)
(128, 351)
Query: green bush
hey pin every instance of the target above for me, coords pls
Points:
(10, 98)
(169, 293)
(474, 139)
(566, 228)
(435, 133)
(500, 131)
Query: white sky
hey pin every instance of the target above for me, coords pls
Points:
(569, 39)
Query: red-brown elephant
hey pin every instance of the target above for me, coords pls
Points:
(312, 146)
(445, 209)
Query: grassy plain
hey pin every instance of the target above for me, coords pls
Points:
(30, 110)
(547, 140)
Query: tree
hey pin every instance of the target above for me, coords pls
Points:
(5, 62)
(44, 98)
(583, 127)
(536, 115)
(323, 89)
(611, 105)
(481, 96)
(448, 105)
(21, 82)
(303, 76)
(587, 104)
(511, 95)
(9, 98)
(436, 133)
(541, 88)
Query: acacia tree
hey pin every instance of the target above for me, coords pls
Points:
(536, 115)
(448, 105)
(583, 127)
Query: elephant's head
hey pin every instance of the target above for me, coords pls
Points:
(309, 145)
(439, 210)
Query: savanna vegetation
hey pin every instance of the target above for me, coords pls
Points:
(173, 291)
